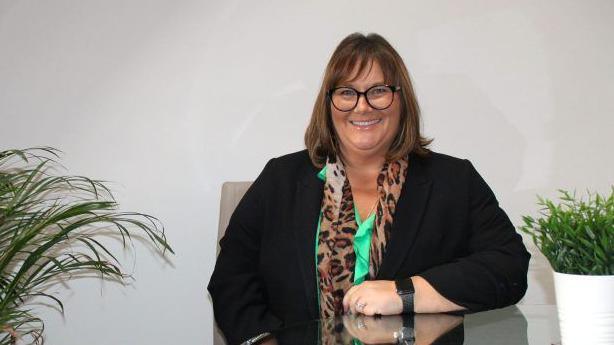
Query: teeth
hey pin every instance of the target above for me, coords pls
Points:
(365, 123)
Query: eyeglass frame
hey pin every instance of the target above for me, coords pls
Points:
(393, 88)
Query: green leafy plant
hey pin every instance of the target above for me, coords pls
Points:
(576, 236)
(51, 230)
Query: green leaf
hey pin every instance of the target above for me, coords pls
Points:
(575, 235)
(50, 226)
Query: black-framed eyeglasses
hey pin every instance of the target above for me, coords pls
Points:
(345, 98)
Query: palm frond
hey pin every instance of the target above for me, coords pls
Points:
(50, 227)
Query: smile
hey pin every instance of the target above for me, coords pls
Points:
(366, 123)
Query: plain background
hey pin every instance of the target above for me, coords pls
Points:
(168, 99)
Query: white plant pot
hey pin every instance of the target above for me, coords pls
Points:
(586, 308)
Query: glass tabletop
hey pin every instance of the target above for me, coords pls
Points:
(516, 325)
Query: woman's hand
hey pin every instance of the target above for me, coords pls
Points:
(373, 297)
(380, 297)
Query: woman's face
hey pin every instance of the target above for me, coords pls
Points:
(364, 131)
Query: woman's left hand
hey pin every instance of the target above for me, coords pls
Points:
(373, 297)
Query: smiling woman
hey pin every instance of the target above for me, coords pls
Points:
(367, 219)
(365, 122)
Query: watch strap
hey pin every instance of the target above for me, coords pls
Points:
(405, 290)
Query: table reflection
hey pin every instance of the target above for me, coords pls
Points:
(357, 330)
(505, 326)
(419, 329)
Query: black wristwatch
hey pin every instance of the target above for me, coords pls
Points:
(406, 335)
(405, 289)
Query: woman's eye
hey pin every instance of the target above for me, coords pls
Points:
(347, 92)
(379, 90)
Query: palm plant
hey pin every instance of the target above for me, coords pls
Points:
(50, 231)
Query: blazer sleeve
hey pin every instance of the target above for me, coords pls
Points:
(494, 273)
(239, 300)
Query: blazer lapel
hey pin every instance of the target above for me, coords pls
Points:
(306, 213)
(407, 218)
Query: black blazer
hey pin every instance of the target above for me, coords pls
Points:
(448, 228)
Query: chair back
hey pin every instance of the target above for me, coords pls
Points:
(232, 192)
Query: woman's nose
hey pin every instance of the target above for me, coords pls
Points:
(362, 105)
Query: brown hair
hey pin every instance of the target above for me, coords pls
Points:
(320, 138)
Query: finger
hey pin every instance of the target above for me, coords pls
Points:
(360, 323)
(347, 299)
(369, 310)
(359, 305)
(352, 304)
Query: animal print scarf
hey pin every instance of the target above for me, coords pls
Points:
(335, 257)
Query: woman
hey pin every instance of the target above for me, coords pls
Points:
(367, 220)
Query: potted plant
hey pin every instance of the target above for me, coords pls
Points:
(577, 238)
(51, 229)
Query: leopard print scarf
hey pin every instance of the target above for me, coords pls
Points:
(335, 257)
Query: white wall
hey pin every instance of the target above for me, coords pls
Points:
(170, 98)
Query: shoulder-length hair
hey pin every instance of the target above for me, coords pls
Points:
(357, 49)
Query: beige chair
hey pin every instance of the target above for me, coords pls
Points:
(232, 192)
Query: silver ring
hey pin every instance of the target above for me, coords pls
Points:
(360, 306)
(360, 324)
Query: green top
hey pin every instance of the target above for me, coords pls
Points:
(362, 241)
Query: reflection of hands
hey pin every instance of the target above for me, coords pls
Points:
(373, 330)
(429, 327)
(381, 330)
(373, 297)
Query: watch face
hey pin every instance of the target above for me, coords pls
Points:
(404, 334)
(408, 333)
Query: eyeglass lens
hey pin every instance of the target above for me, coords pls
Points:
(379, 97)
